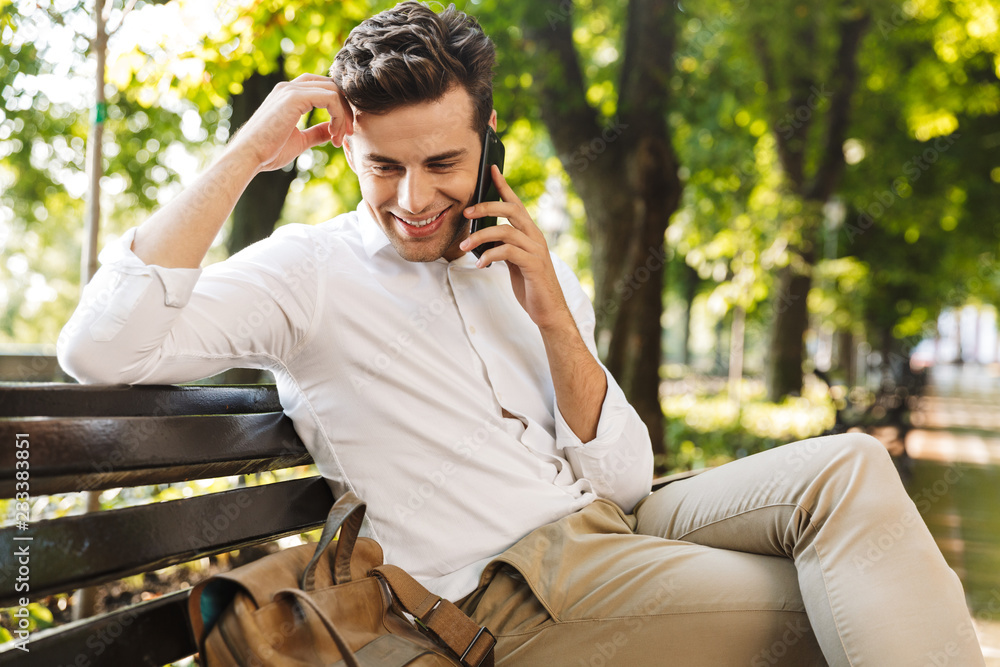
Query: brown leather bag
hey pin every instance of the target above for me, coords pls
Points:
(345, 609)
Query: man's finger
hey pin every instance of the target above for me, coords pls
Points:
(318, 134)
(507, 253)
(505, 234)
(313, 77)
(506, 192)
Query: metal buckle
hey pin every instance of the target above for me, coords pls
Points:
(476, 639)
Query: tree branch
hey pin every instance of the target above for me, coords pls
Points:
(570, 119)
(831, 162)
(786, 153)
(790, 122)
(125, 12)
(648, 62)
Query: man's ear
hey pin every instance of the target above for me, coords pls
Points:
(349, 154)
(493, 120)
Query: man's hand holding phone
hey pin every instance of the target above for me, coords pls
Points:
(579, 381)
(522, 245)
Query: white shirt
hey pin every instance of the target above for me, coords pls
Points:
(422, 387)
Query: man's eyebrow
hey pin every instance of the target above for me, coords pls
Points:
(375, 157)
(448, 155)
(440, 157)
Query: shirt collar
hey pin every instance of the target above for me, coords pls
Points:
(372, 237)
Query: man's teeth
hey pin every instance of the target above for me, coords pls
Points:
(421, 223)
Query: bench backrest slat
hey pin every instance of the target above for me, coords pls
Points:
(76, 400)
(82, 453)
(149, 634)
(73, 552)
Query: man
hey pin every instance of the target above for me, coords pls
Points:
(463, 399)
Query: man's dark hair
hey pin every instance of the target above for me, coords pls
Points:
(409, 54)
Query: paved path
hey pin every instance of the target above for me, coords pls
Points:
(959, 418)
(958, 421)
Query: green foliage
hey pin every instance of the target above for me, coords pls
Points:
(39, 617)
(706, 429)
(914, 229)
(920, 191)
(42, 170)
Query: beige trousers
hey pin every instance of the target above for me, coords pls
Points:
(807, 554)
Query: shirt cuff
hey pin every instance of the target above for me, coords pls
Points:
(610, 425)
(618, 462)
(178, 283)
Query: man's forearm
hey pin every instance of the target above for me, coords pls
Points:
(180, 234)
(579, 381)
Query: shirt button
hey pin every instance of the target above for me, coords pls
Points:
(472, 330)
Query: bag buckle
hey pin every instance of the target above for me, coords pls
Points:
(493, 642)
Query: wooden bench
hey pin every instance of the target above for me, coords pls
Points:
(102, 437)
(99, 437)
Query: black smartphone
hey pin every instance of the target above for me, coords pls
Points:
(485, 189)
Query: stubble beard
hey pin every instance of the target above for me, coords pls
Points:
(418, 250)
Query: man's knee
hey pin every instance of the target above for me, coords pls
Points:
(863, 447)
(852, 449)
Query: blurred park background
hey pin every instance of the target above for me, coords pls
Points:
(786, 212)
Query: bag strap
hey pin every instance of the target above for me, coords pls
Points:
(349, 512)
(470, 641)
(346, 654)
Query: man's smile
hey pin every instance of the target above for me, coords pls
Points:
(421, 227)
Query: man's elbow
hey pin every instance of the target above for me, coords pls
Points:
(86, 360)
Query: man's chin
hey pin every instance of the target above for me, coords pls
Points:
(410, 253)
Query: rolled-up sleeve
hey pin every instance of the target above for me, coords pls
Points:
(618, 462)
(139, 323)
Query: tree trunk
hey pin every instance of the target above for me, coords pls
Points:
(626, 174)
(691, 280)
(85, 599)
(259, 209)
(845, 360)
(959, 352)
(787, 345)
(790, 321)
(737, 340)
(719, 365)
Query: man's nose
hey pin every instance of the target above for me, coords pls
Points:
(416, 192)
